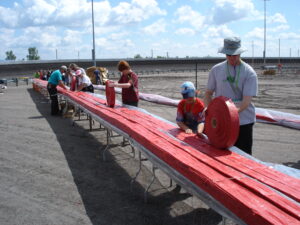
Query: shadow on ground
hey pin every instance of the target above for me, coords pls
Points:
(105, 186)
(295, 165)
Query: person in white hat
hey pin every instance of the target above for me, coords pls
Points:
(84, 82)
(54, 80)
(235, 79)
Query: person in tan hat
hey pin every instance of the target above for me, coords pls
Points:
(54, 80)
(235, 79)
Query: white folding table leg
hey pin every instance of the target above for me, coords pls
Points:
(153, 179)
(108, 141)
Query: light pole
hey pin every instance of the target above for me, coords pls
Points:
(265, 32)
(279, 51)
(252, 54)
(93, 51)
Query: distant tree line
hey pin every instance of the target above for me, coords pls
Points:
(33, 54)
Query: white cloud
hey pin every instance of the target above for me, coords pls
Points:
(115, 42)
(136, 11)
(272, 33)
(37, 36)
(290, 36)
(257, 33)
(6, 39)
(277, 18)
(218, 32)
(9, 17)
(155, 28)
(185, 31)
(77, 13)
(50, 40)
(102, 11)
(72, 38)
(197, 1)
(230, 10)
(278, 28)
(46, 13)
(186, 14)
(171, 2)
(33, 21)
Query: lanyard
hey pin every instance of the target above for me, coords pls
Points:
(231, 79)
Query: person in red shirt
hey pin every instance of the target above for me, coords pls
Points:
(129, 84)
(190, 110)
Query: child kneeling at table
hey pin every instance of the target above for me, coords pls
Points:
(190, 110)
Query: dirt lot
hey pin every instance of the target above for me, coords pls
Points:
(53, 173)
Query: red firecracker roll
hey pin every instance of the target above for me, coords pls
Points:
(110, 95)
(222, 122)
(73, 83)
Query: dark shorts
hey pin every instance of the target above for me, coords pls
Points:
(54, 100)
(245, 139)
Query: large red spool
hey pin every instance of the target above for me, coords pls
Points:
(110, 94)
(222, 122)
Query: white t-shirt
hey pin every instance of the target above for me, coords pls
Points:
(84, 80)
(243, 83)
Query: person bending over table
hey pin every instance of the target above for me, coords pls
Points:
(84, 82)
(54, 80)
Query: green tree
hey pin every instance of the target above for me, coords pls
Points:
(10, 55)
(33, 54)
(138, 56)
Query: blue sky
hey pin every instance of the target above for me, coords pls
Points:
(123, 29)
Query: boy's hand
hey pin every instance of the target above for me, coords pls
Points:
(188, 131)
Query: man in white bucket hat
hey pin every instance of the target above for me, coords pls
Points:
(235, 79)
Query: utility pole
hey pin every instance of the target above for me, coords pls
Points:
(252, 53)
(265, 31)
(93, 51)
(196, 75)
(279, 51)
